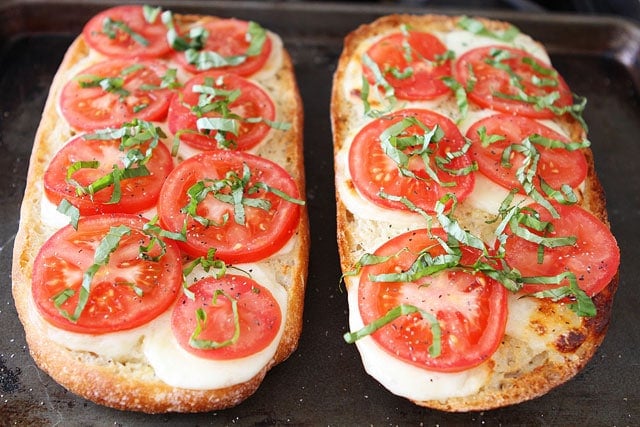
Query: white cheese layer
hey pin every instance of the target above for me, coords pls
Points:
(405, 379)
(170, 362)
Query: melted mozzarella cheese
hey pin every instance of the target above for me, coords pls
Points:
(408, 380)
(170, 362)
(179, 368)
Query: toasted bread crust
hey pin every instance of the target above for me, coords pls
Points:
(573, 347)
(132, 385)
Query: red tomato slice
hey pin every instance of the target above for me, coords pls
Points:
(556, 166)
(89, 108)
(253, 102)
(264, 231)
(372, 170)
(137, 194)
(471, 309)
(259, 317)
(491, 84)
(594, 258)
(123, 32)
(228, 38)
(417, 56)
(113, 304)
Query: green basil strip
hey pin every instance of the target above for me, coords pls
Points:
(156, 235)
(206, 60)
(108, 84)
(196, 39)
(262, 186)
(106, 247)
(583, 305)
(476, 27)
(395, 313)
(486, 139)
(461, 96)
(110, 27)
(378, 76)
(548, 242)
(393, 144)
(76, 166)
(151, 13)
(70, 211)
(201, 319)
(219, 124)
(365, 260)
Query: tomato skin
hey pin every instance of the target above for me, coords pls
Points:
(372, 170)
(556, 166)
(594, 258)
(425, 82)
(123, 45)
(92, 108)
(489, 80)
(259, 315)
(265, 232)
(113, 305)
(138, 194)
(228, 37)
(471, 308)
(252, 103)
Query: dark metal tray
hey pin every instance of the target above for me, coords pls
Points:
(323, 382)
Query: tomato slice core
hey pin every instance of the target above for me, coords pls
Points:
(130, 92)
(123, 32)
(413, 64)
(492, 72)
(259, 317)
(125, 293)
(471, 309)
(252, 103)
(372, 170)
(556, 166)
(594, 258)
(230, 38)
(264, 231)
(137, 194)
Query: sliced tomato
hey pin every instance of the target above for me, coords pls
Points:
(230, 38)
(123, 32)
(492, 73)
(594, 258)
(136, 95)
(372, 170)
(471, 309)
(264, 231)
(137, 193)
(556, 166)
(252, 103)
(412, 63)
(125, 293)
(258, 315)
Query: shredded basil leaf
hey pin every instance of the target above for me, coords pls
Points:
(395, 313)
(110, 28)
(66, 208)
(477, 27)
(105, 248)
(201, 321)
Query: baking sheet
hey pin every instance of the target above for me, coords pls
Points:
(323, 382)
